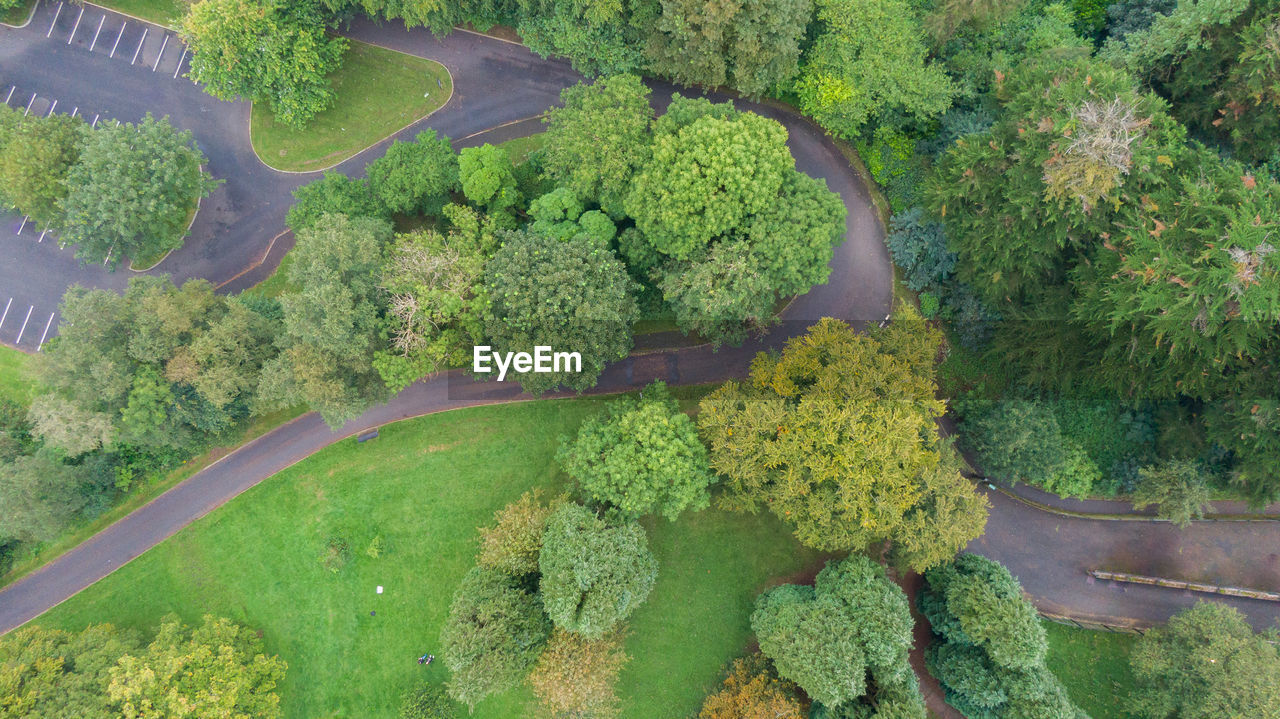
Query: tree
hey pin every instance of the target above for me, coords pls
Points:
(750, 45)
(842, 639)
(575, 676)
(53, 673)
(215, 669)
(36, 158)
(133, 190)
(333, 194)
(488, 177)
(752, 690)
(1176, 487)
(494, 634)
(438, 301)
(948, 515)
(1016, 440)
(572, 296)
(560, 214)
(721, 297)
(846, 424)
(39, 496)
(600, 37)
(990, 650)
(919, 247)
(70, 427)
(594, 572)
(599, 139)
(331, 323)
(429, 701)
(513, 543)
(270, 51)
(415, 177)
(867, 63)
(1206, 662)
(706, 177)
(641, 456)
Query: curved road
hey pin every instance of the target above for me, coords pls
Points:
(498, 83)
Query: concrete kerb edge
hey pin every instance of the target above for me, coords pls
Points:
(1209, 517)
(381, 140)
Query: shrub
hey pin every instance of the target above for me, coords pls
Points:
(919, 246)
(1178, 489)
(1016, 440)
(512, 544)
(429, 701)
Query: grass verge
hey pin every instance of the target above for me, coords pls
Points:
(18, 14)
(15, 381)
(1094, 666)
(161, 12)
(379, 91)
(422, 488)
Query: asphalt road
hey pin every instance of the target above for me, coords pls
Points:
(498, 83)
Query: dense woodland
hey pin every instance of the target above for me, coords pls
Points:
(1084, 198)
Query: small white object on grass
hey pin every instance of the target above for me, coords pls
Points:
(379, 589)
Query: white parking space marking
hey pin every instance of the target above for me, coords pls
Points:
(24, 325)
(95, 122)
(24, 224)
(28, 110)
(42, 234)
(145, 30)
(10, 95)
(6, 311)
(75, 29)
(45, 334)
(75, 111)
(117, 43)
(55, 21)
(163, 45)
(180, 61)
(51, 108)
(96, 33)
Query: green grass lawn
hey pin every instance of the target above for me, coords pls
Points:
(520, 148)
(424, 486)
(379, 91)
(161, 12)
(1094, 666)
(15, 380)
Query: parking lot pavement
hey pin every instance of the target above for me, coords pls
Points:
(143, 46)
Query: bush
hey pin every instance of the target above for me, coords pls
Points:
(1177, 488)
(1015, 440)
(428, 701)
(336, 194)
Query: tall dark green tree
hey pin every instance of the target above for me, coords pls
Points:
(415, 177)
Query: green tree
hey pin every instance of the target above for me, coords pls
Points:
(990, 649)
(1206, 662)
(560, 214)
(707, 177)
(494, 634)
(600, 37)
(846, 422)
(39, 497)
(1015, 440)
(488, 177)
(570, 296)
(868, 62)
(513, 543)
(642, 456)
(429, 701)
(333, 194)
(415, 177)
(53, 673)
(332, 323)
(1176, 487)
(721, 297)
(272, 51)
(842, 639)
(438, 300)
(133, 190)
(215, 669)
(599, 139)
(595, 572)
(35, 160)
(750, 45)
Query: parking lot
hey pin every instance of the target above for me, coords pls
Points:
(149, 48)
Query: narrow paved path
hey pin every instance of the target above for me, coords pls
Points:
(497, 83)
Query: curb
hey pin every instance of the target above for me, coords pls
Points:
(1114, 517)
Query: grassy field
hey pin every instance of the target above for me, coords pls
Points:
(378, 91)
(423, 487)
(1094, 666)
(15, 384)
